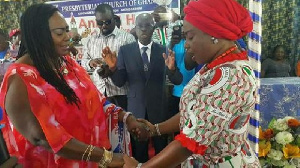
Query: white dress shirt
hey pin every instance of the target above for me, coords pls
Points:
(148, 51)
(93, 49)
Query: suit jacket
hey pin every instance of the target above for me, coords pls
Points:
(145, 94)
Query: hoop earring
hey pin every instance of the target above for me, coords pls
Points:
(215, 41)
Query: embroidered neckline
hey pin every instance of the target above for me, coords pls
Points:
(227, 56)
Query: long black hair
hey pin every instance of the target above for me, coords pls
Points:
(37, 42)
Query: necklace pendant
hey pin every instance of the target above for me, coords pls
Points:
(65, 71)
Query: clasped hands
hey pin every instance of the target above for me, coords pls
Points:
(140, 129)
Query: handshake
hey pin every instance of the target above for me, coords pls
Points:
(142, 129)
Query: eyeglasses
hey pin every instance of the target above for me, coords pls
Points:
(106, 22)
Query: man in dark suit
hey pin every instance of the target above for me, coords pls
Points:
(143, 65)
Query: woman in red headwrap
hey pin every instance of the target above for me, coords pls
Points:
(216, 104)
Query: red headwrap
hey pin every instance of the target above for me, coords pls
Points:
(225, 19)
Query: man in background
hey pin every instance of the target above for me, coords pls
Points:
(142, 65)
(112, 37)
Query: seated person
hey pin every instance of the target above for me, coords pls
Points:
(277, 65)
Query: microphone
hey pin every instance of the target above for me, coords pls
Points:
(4, 155)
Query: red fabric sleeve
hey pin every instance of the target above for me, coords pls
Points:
(191, 144)
(55, 134)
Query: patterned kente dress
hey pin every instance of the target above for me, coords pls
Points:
(215, 108)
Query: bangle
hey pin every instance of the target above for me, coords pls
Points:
(106, 158)
(139, 165)
(157, 130)
(90, 153)
(126, 116)
(85, 151)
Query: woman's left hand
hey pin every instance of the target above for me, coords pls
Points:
(130, 162)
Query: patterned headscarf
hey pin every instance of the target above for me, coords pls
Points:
(225, 19)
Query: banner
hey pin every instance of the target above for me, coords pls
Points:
(81, 14)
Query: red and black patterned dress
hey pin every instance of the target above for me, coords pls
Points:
(215, 108)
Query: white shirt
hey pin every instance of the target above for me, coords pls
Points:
(93, 49)
(148, 51)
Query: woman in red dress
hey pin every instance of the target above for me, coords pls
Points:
(53, 113)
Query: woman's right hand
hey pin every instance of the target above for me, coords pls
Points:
(117, 161)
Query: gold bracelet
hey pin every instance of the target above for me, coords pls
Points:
(106, 158)
(85, 151)
(90, 153)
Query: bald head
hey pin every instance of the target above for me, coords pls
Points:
(144, 17)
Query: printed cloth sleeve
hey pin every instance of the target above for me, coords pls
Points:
(211, 109)
(110, 108)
